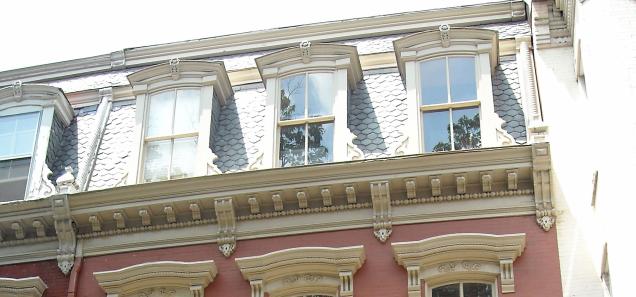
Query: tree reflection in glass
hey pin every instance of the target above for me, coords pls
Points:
(465, 132)
(319, 143)
(292, 97)
(292, 146)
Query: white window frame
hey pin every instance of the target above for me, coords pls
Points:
(341, 60)
(305, 120)
(49, 102)
(214, 84)
(493, 286)
(410, 51)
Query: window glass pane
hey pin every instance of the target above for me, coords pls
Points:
(24, 142)
(27, 121)
(433, 80)
(320, 143)
(292, 97)
(7, 143)
(7, 125)
(466, 131)
(436, 131)
(157, 160)
(183, 157)
(320, 94)
(463, 84)
(13, 179)
(477, 290)
(292, 146)
(186, 114)
(451, 290)
(160, 114)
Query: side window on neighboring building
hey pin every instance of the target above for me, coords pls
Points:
(306, 119)
(449, 104)
(17, 139)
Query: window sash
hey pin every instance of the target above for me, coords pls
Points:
(12, 133)
(173, 123)
(451, 124)
(448, 86)
(306, 138)
(307, 105)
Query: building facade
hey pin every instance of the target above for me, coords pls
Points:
(399, 155)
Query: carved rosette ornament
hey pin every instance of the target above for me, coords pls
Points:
(65, 233)
(381, 198)
(226, 219)
(444, 31)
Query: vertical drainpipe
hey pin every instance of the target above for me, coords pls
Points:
(77, 267)
(103, 112)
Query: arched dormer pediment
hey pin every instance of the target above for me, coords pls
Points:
(36, 97)
(462, 256)
(309, 56)
(170, 275)
(445, 41)
(184, 73)
(303, 271)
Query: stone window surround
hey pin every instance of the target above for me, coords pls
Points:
(49, 102)
(214, 83)
(190, 276)
(22, 287)
(479, 43)
(342, 61)
(303, 271)
(492, 283)
(460, 257)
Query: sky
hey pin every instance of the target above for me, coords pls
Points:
(40, 32)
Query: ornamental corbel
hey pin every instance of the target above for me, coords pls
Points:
(174, 68)
(17, 89)
(196, 211)
(255, 206)
(444, 31)
(327, 200)
(40, 228)
(278, 201)
(381, 198)
(96, 223)
(171, 217)
(460, 181)
(226, 220)
(65, 232)
(513, 179)
(545, 212)
(350, 190)
(411, 188)
(302, 199)
(18, 230)
(145, 217)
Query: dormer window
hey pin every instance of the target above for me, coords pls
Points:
(306, 119)
(174, 119)
(307, 90)
(447, 73)
(30, 117)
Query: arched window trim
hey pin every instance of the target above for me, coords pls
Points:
(303, 271)
(460, 256)
(22, 287)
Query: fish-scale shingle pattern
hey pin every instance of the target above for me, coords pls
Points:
(377, 113)
(114, 151)
(240, 129)
(74, 146)
(507, 99)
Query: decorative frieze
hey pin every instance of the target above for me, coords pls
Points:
(381, 201)
(226, 220)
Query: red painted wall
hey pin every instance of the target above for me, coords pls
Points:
(536, 271)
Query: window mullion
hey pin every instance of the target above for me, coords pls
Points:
(306, 144)
(461, 289)
(448, 86)
(452, 130)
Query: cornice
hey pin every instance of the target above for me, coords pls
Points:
(502, 11)
(37, 95)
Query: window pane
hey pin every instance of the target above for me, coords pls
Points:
(462, 78)
(466, 132)
(292, 97)
(27, 121)
(320, 144)
(320, 94)
(186, 114)
(446, 291)
(436, 131)
(477, 290)
(433, 80)
(8, 143)
(24, 142)
(13, 179)
(183, 157)
(157, 160)
(160, 114)
(292, 146)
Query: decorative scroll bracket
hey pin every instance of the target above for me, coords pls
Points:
(381, 198)
(65, 233)
(546, 214)
(226, 219)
